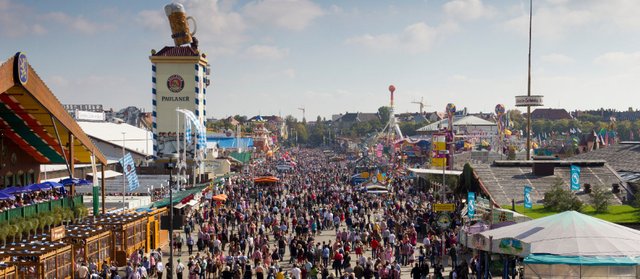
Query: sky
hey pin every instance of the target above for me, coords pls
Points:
(272, 57)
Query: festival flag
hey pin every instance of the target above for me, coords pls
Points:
(575, 178)
(630, 134)
(471, 206)
(129, 171)
(187, 130)
(527, 197)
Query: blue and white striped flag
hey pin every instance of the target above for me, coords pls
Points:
(201, 132)
(187, 132)
(129, 169)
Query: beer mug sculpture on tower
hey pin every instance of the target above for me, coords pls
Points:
(178, 21)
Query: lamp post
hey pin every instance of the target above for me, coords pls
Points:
(170, 167)
(124, 170)
(443, 154)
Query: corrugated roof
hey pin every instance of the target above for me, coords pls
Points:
(242, 157)
(507, 182)
(621, 157)
(177, 51)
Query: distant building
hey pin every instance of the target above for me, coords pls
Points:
(463, 125)
(550, 114)
(414, 117)
(606, 115)
(350, 118)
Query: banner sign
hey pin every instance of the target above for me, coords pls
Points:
(471, 206)
(129, 169)
(58, 233)
(438, 207)
(533, 100)
(527, 197)
(575, 178)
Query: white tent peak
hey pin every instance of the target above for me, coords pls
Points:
(571, 233)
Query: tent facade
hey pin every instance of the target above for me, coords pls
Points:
(573, 245)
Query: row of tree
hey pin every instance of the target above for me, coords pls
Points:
(19, 227)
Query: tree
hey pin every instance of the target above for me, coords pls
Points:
(600, 199)
(4, 233)
(560, 199)
(516, 119)
(385, 113)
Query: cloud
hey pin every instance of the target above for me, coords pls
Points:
(555, 19)
(618, 59)
(290, 73)
(550, 22)
(467, 9)
(556, 58)
(415, 38)
(266, 52)
(216, 24)
(152, 19)
(77, 23)
(14, 20)
(288, 14)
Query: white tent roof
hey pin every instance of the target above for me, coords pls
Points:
(573, 234)
(468, 120)
(135, 139)
(435, 171)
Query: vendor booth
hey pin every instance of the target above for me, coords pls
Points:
(156, 235)
(90, 243)
(567, 245)
(40, 259)
(129, 233)
(7, 270)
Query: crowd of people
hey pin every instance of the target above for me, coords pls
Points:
(313, 224)
(17, 200)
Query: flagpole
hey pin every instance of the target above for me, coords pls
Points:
(124, 171)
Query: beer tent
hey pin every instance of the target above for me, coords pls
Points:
(574, 245)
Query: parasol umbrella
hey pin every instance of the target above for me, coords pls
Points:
(16, 190)
(5, 196)
(52, 184)
(74, 181)
(221, 197)
(37, 187)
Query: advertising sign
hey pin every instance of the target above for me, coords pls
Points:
(527, 197)
(438, 207)
(471, 204)
(575, 178)
(534, 101)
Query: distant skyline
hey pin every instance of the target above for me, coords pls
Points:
(272, 57)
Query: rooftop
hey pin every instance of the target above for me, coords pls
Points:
(505, 180)
(622, 156)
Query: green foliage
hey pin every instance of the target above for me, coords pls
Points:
(4, 233)
(616, 214)
(636, 199)
(385, 113)
(560, 199)
(600, 199)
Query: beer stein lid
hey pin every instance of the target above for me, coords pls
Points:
(173, 8)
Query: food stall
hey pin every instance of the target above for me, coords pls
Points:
(156, 235)
(90, 243)
(40, 259)
(7, 270)
(129, 233)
